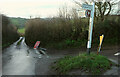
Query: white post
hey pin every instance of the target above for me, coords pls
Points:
(90, 29)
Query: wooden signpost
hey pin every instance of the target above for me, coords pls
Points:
(91, 8)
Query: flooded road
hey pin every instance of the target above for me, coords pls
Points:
(21, 60)
(17, 60)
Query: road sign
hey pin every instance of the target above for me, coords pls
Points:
(101, 40)
(91, 8)
(87, 7)
(36, 44)
(87, 13)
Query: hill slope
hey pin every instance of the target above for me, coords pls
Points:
(18, 22)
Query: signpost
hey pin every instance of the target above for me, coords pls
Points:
(87, 7)
(87, 13)
(92, 8)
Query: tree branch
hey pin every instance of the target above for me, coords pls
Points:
(110, 7)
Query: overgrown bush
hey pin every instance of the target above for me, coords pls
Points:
(9, 32)
(51, 30)
(110, 28)
(63, 33)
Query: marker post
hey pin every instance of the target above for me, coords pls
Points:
(101, 40)
(90, 29)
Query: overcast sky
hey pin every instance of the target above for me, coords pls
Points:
(35, 8)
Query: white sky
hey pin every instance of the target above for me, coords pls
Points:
(34, 8)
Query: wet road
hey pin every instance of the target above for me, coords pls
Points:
(17, 61)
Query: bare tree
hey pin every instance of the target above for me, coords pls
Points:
(73, 13)
(63, 12)
(102, 8)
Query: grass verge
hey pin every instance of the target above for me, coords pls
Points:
(67, 44)
(93, 63)
(21, 30)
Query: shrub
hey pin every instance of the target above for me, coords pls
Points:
(9, 32)
(48, 31)
(110, 29)
(70, 32)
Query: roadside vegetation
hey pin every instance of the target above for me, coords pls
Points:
(9, 32)
(69, 30)
(18, 22)
(21, 30)
(69, 33)
(92, 64)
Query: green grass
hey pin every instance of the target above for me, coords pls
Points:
(21, 30)
(18, 22)
(67, 44)
(95, 64)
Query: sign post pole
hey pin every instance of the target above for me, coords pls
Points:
(92, 8)
(90, 29)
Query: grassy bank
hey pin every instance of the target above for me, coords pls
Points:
(94, 64)
(21, 30)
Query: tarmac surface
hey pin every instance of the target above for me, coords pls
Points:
(21, 60)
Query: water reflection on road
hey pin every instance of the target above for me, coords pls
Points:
(21, 60)
(17, 60)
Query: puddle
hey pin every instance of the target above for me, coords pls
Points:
(20, 59)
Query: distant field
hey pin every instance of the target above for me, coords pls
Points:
(18, 22)
(21, 30)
